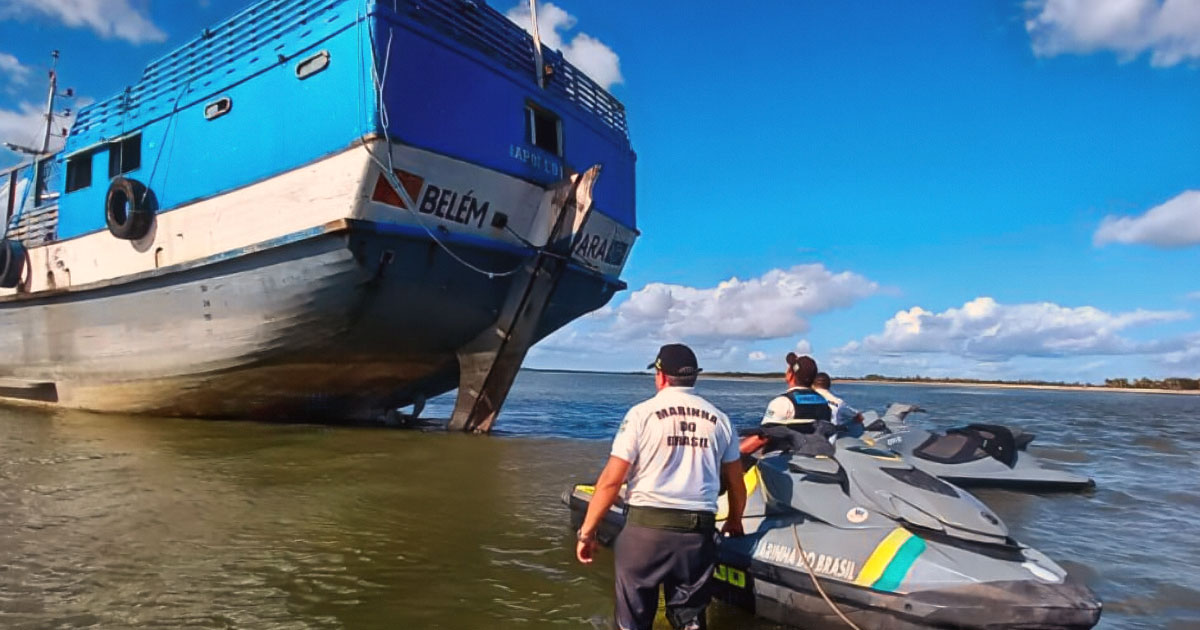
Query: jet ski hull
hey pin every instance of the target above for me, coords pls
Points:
(781, 590)
(1070, 483)
(975, 456)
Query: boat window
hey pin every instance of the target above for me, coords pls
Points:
(543, 129)
(218, 108)
(79, 172)
(42, 194)
(312, 65)
(124, 155)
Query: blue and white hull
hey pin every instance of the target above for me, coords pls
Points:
(316, 209)
(308, 295)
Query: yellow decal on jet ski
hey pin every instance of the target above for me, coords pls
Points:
(891, 560)
(751, 481)
(730, 575)
(586, 489)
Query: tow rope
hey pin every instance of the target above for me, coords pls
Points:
(813, 574)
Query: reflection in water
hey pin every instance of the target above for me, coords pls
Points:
(109, 521)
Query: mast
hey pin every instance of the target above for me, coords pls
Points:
(50, 103)
(537, 44)
(48, 115)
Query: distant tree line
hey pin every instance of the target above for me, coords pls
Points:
(1147, 383)
(1173, 383)
(976, 381)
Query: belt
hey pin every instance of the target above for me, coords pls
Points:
(669, 519)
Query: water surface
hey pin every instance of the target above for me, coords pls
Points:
(124, 522)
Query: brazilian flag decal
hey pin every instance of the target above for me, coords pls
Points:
(891, 561)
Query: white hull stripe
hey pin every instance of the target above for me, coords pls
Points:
(458, 203)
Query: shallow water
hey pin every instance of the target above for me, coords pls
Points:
(121, 522)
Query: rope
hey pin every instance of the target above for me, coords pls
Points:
(163, 143)
(813, 574)
(389, 171)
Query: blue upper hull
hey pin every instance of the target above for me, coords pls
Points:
(449, 93)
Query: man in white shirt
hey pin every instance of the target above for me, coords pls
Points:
(847, 419)
(673, 451)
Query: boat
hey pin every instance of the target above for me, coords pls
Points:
(975, 456)
(862, 539)
(317, 209)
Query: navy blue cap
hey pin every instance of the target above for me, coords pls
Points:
(676, 359)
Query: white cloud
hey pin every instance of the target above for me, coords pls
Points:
(25, 126)
(988, 340)
(986, 330)
(772, 306)
(1168, 29)
(1175, 223)
(1194, 295)
(1184, 358)
(22, 126)
(587, 53)
(719, 321)
(12, 70)
(111, 19)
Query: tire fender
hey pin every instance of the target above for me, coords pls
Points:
(128, 209)
(12, 263)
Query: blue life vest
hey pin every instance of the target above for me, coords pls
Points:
(809, 405)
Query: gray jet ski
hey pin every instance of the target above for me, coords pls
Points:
(891, 546)
(977, 455)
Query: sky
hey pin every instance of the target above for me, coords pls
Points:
(1006, 189)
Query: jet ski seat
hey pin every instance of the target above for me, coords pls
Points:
(801, 441)
(971, 443)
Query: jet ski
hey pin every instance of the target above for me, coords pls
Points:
(976, 455)
(864, 535)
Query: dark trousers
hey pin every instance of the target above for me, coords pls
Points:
(681, 562)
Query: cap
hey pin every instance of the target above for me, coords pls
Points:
(676, 359)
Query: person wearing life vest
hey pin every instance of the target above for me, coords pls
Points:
(800, 408)
(673, 452)
(847, 419)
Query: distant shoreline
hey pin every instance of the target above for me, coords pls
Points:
(769, 378)
(1061, 388)
(1064, 388)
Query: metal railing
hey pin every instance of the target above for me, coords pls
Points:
(478, 25)
(255, 36)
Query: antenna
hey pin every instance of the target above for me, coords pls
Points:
(50, 102)
(49, 115)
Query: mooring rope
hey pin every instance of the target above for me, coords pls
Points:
(389, 171)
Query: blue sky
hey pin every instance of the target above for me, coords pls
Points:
(994, 189)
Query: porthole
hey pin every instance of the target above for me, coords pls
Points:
(218, 108)
(312, 65)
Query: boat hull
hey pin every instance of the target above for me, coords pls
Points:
(341, 322)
